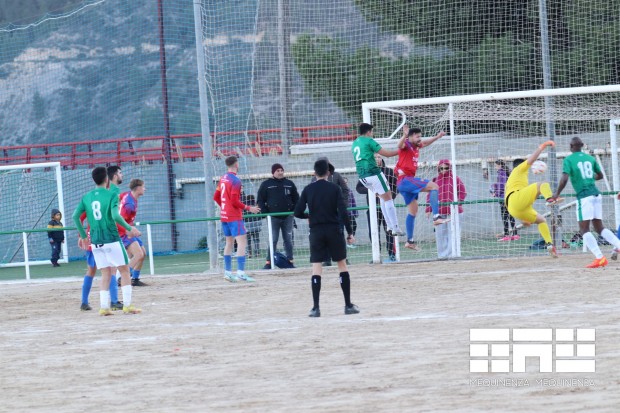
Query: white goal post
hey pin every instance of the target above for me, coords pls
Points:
(29, 193)
(486, 129)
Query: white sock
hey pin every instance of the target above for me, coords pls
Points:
(389, 212)
(104, 298)
(611, 238)
(592, 245)
(126, 295)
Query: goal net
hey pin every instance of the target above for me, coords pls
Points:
(29, 194)
(490, 130)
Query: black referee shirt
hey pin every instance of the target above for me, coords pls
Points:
(326, 205)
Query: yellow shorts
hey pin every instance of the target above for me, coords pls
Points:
(521, 201)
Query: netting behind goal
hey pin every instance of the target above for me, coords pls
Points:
(503, 127)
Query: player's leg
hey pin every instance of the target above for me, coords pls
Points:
(410, 187)
(241, 237)
(545, 189)
(104, 292)
(137, 253)
(117, 256)
(227, 253)
(318, 252)
(91, 270)
(378, 184)
(433, 199)
(338, 251)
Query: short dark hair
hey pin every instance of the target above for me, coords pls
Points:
(413, 131)
(230, 161)
(365, 128)
(321, 167)
(517, 162)
(112, 170)
(134, 183)
(99, 174)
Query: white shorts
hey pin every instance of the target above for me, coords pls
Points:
(589, 208)
(376, 183)
(110, 255)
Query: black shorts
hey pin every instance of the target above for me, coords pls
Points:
(327, 241)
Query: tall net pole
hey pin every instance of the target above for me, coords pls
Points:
(284, 59)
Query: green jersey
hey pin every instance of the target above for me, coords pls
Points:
(101, 207)
(364, 149)
(582, 168)
(115, 189)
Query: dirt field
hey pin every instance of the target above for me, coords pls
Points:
(203, 344)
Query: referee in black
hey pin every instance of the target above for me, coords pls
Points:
(326, 210)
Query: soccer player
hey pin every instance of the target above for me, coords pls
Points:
(364, 149)
(520, 196)
(134, 246)
(228, 197)
(101, 207)
(327, 209)
(91, 270)
(115, 178)
(409, 186)
(583, 172)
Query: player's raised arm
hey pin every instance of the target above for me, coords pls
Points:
(429, 141)
(388, 152)
(532, 158)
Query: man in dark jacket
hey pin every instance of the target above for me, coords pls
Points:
(57, 237)
(278, 194)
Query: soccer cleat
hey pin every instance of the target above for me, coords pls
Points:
(440, 219)
(598, 263)
(136, 282)
(315, 312)
(552, 251)
(412, 246)
(505, 238)
(131, 310)
(229, 276)
(397, 232)
(515, 238)
(614, 254)
(85, 307)
(244, 277)
(551, 201)
(105, 311)
(117, 306)
(351, 309)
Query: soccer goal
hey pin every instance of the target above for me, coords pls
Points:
(486, 131)
(29, 193)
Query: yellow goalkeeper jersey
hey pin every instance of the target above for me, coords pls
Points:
(518, 179)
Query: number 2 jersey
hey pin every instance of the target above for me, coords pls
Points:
(101, 207)
(228, 197)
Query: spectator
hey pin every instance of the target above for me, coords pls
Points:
(278, 194)
(353, 214)
(497, 189)
(391, 181)
(444, 181)
(253, 226)
(56, 237)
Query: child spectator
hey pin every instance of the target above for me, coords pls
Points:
(57, 237)
(497, 189)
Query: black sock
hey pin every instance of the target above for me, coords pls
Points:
(345, 284)
(316, 289)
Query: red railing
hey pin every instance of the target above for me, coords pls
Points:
(185, 147)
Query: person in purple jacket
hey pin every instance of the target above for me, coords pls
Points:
(497, 189)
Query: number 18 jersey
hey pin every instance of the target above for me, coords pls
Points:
(582, 168)
(98, 205)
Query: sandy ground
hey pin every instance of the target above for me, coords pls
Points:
(203, 344)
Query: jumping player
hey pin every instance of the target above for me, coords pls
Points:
(228, 197)
(364, 149)
(409, 186)
(583, 172)
(520, 196)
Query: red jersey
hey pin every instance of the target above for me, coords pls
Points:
(128, 206)
(82, 219)
(407, 164)
(228, 197)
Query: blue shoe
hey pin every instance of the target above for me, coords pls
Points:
(244, 277)
(229, 276)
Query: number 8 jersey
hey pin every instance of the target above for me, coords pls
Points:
(101, 205)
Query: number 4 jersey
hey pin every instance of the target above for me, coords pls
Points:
(101, 206)
(582, 168)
